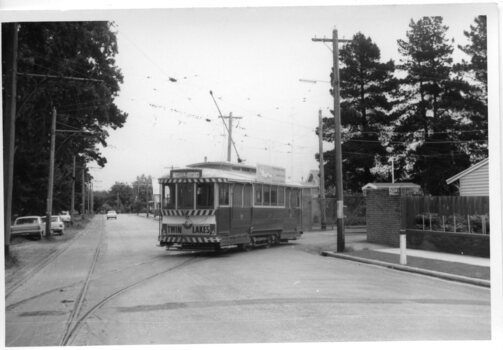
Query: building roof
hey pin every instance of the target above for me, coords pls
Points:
(467, 171)
(379, 185)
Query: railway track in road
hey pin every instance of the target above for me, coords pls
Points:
(75, 321)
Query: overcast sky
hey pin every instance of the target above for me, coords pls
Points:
(252, 60)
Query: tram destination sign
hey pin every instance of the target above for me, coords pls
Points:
(273, 174)
(186, 174)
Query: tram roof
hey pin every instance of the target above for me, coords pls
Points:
(223, 172)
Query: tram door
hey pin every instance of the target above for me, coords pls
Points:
(292, 210)
(241, 208)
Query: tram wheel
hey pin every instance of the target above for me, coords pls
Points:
(245, 247)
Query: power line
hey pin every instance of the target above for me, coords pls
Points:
(57, 77)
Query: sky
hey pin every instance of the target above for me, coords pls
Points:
(253, 60)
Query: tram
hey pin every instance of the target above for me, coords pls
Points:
(215, 205)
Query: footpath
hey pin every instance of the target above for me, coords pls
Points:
(29, 256)
(455, 267)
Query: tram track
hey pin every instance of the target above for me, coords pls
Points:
(81, 296)
(74, 323)
(10, 307)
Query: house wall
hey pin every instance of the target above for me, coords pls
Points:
(475, 183)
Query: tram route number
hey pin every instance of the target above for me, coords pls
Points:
(195, 229)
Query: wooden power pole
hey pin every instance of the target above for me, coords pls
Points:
(72, 203)
(337, 138)
(323, 218)
(9, 123)
(50, 185)
(83, 192)
(229, 138)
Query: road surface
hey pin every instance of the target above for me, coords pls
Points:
(113, 286)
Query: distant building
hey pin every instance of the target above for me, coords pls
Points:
(473, 181)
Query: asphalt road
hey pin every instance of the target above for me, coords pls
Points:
(113, 286)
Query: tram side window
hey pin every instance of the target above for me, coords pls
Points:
(247, 196)
(267, 195)
(185, 196)
(223, 194)
(281, 196)
(295, 198)
(274, 195)
(237, 196)
(258, 194)
(204, 198)
(168, 201)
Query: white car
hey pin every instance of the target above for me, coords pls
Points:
(28, 225)
(57, 224)
(66, 217)
(112, 214)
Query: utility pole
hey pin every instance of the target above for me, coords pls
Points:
(337, 139)
(83, 205)
(89, 197)
(9, 124)
(323, 218)
(229, 131)
(48, 212)
(72, 203)
(393, 170)
(92, 198)
(229, 139)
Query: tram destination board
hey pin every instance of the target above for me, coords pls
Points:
(186, 174)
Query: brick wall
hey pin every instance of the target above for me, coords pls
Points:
(383, 217)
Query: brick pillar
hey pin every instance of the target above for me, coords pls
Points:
(383, 217)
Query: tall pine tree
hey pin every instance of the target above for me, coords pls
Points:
(366, 86)
(427, 134)
(472, 79)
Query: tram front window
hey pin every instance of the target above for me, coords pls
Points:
(169, 196)
(185, 196)
(204, 196)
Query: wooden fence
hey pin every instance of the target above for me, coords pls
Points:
(448, 214)
(452, 224)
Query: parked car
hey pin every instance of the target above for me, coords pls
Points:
(28, 226)
(66, 217)
(57, 224)
(112, 214)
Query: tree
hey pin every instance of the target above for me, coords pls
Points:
(143, 192)
(366, 88)
(85, 50)
(472, 80)
(121, 197)
(477, 50)
(102, 201)
(427, 133)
